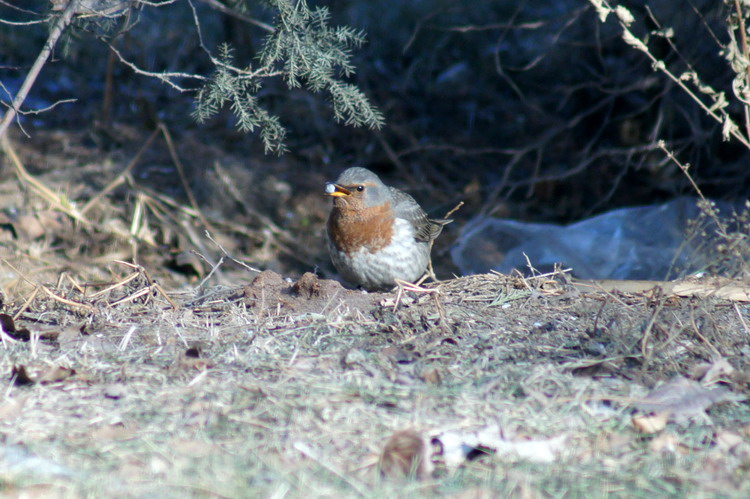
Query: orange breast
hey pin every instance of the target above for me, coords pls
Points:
(371, 228)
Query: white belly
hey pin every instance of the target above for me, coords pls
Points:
(404, 259)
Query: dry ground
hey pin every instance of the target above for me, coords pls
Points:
(277, 389)
(154, 380)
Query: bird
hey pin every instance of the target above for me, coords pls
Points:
(377, 235)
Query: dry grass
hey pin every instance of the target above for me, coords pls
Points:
(280, 402)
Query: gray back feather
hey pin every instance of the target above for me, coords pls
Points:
(404, 206)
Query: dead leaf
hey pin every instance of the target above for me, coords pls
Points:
(56, 374)
(697, 371)
(728, 441)
(716, 287)
(721, 288)
(9, 327)
(48, 334)
(353, 357)
(29, 227)
(396, 355)
(432, 376)
(192, 358)
(406, 454)
(193, 363)
(720, 370)
(668, 443)
(116, 432)
(653, 423)
(683, 398)
(7, 323)
(20, 377)
(593, 369)
(612, 442)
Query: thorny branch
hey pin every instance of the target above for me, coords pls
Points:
(716, 110)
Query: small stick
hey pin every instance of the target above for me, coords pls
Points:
(52, 295)
(75, 284)
(161, 291)
(406, 285)
(248, 267)
(214, 268)
(134, 296)
(454, 210)
(72, 303)
(183, 177)
(26, 304)
(151, 284)
(115, 285)
(120, 178)
(38, 187)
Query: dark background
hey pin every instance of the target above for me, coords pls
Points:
(530, 110)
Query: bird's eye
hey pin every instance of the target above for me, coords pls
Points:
(360, 188)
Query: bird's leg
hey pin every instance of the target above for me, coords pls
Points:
(407, 286)
(430, 272)
(400, 286)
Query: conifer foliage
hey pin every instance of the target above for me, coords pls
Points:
(305, 51)
(300, 47)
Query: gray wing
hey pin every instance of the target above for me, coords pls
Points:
(404, 206)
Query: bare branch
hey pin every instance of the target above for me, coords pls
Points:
(48, 108)
(62, 22)
(164, 76)
(24, 23)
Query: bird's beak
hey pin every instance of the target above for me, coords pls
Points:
(336, 190)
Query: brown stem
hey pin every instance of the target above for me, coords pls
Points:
(62, 22)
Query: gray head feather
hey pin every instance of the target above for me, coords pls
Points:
(375, 193)
(357, 175)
